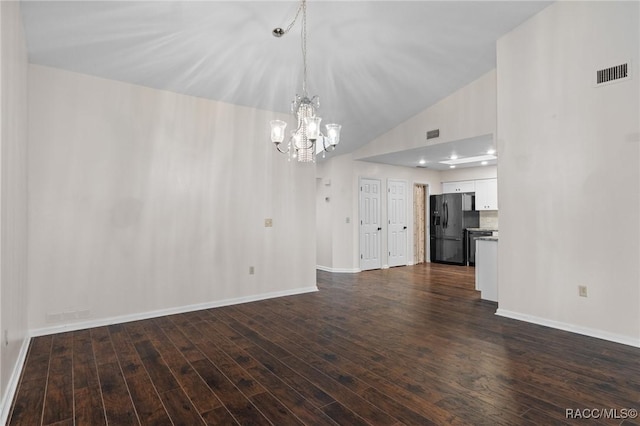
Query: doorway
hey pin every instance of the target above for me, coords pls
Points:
(420, 228)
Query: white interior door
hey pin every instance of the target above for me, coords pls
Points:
(397, 213)
(370, 225)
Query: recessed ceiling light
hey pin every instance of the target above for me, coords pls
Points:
(465, 160)
(491, 151)
(484, 163)
(454, 157)
(422, 161)
(452, 166)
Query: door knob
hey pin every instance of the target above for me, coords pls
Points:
(404, 227)
(379, 229)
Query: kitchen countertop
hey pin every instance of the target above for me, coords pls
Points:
(482, 229)
(488, 238)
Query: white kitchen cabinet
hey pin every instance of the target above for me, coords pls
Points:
(486, 194)
(461, 186)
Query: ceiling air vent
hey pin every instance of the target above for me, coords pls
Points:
(613, 74)
(431, 134)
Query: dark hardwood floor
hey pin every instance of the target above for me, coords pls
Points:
(411, 345)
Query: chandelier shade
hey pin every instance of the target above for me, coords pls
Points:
(307, 138)
(277, 131)
(313, 127)
(333, 134)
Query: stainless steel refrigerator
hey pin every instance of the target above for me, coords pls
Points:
(450, 215)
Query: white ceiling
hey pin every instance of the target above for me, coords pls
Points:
(374, 64)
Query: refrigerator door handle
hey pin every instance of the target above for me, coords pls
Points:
(446, 214)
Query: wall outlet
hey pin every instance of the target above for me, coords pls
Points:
(251, 270)
(268, 223)
(582, 290)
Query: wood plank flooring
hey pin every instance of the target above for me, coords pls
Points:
(411, 345)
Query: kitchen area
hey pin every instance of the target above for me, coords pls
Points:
(464, 230)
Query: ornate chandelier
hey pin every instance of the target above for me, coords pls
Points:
(307, 139)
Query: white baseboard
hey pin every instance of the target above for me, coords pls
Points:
(169, 311)
(14, 379)
(599, 334)
(338, 270)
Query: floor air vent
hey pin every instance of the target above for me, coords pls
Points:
(612, 74)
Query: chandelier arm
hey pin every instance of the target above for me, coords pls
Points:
(281, 151)
(324, 144)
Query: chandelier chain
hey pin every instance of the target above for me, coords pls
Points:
(295, 18)
(304, 47)
(302, 8)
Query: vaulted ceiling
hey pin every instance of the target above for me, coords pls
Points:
(374, 64)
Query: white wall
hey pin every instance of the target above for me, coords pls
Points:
(324, 223)
(467, 113)
(143, 200)
(13, 199)
(569, 170)
(337, 255)
(344, 173)
(385, 172)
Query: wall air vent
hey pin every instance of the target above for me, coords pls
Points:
(613, 74)
(431, 134)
